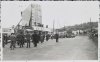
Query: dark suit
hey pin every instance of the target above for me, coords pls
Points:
(28, 40)
(20, 38)
(35, 39)
(5, 39)
(47, 37)
(13, 41)
(56, 37)
(42, 38)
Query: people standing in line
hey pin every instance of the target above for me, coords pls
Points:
(57, 37)
(13, 41)
(28, 40)
(35, 38)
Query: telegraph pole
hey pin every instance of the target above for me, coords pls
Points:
(53, 25)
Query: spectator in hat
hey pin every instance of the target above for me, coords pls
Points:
(28, 39)
(57, 37)
(35, 38)
(13, 41)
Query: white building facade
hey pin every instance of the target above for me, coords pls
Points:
(36, 14)
(32, 16)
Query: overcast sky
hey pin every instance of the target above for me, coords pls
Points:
(63, 13)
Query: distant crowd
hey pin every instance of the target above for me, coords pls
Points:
(20, 39)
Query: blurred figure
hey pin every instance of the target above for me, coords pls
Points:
(5, 38)
(13, 41)
(20, 38)
(17, 40)
(52, 36)
(35, 38)
(39, 36)
(57, 37)
(28, 40)
(42, 36)
(3, 43)
(47, 37)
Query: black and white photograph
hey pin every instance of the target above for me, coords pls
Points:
(49, 30)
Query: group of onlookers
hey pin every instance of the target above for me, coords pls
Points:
(20, 39)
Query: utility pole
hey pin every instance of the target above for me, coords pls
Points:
(53, 25)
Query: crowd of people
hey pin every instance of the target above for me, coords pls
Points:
(93, 35)
(20, 39)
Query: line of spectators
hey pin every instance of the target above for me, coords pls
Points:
(20, 39)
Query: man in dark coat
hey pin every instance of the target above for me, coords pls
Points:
(35, 38)
(20, 38)
(56, 37)
(5, 38)
(13, 41)
(28, 39)
(3, 43)
(47, 37)
(43, 37)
